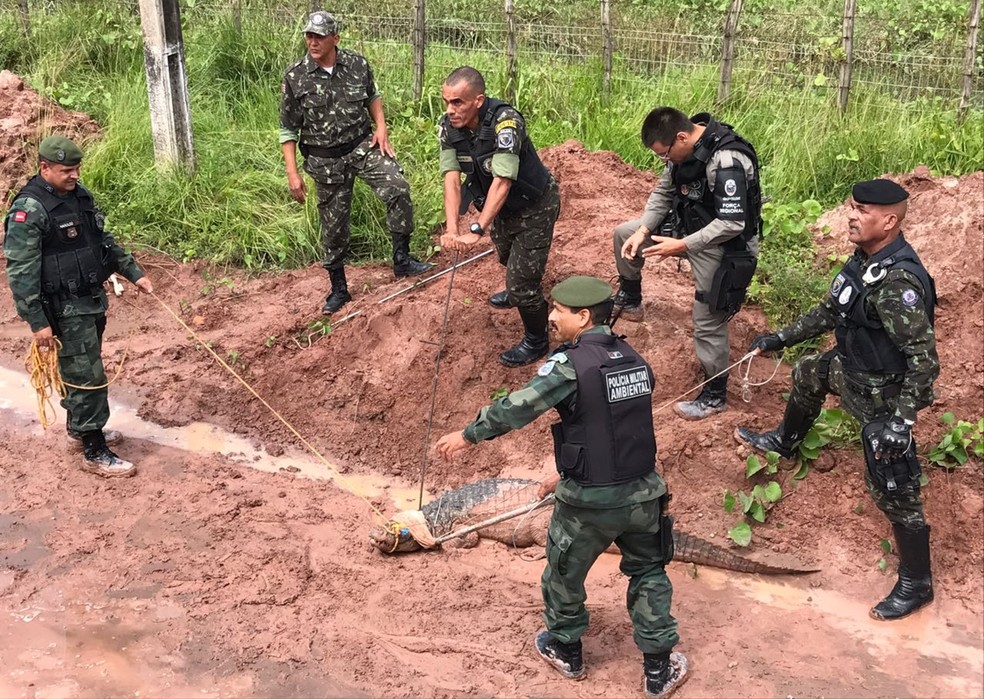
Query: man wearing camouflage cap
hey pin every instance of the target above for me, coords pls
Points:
(58, 256)
(880, 307)
(330, 109)
(607, 488)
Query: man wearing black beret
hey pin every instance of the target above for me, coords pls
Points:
(880, 307)
(607, 487)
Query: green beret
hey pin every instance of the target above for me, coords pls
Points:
(322, 23)
(58, 149)
(581, 292)
(878, 192)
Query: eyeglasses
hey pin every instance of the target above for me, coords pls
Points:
(665, 157)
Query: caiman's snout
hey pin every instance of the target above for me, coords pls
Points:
(386, 541)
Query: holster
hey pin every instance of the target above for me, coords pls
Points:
(730, 283)
(665, 528)
(889, 472)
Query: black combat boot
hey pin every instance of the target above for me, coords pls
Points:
(500, 300)
(566, 657)
(713, 399)
(339, 295)
(629, 300)
(786, 438)
(98, 459)
(914, 588)
(535, 342)
(403, 264)
(664, 673)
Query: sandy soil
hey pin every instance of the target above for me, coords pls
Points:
(205, 576)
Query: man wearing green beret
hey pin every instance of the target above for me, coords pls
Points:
(607, 488)
(881, 308)
(58, 256)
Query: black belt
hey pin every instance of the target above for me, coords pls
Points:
(334, 151)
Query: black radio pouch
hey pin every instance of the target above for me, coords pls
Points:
(731, 280)
(666, 528)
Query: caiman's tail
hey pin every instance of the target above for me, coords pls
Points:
(692, 549)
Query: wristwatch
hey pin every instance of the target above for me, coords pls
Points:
(476, 228)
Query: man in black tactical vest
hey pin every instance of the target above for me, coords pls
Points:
(58, 256)
(881, 309)
(707, 208)
(517, 199)
(607, 487)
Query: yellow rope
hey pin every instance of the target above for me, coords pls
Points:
(280, 417)
(46, 379)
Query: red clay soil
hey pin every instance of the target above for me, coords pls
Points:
(205, 577)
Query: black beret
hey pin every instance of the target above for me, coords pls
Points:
(581, 292)
(878, 192)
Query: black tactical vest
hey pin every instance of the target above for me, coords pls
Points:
(862, 342)
(475, 159)
(608, 438)
(72, 255)
(693, 199)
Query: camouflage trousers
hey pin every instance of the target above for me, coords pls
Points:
(577, 536)
(522, 241)
(335, 178)
(816, 376)
(80, 362)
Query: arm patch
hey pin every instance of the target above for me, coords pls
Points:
(730, 194)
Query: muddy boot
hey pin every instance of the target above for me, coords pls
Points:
(712, 399)
(403, 264)
(500, 300)
(785, 439)
(664, 673)
(627, 302)
(111, 437)
(914, 588)
(566, 657)
(535, 342)
(339, 295)
(98, 459)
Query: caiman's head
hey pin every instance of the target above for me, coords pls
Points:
(386, 541)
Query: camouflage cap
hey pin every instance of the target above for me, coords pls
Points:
(322, 23)
(58, 149)
(881, 192)
(581, 292)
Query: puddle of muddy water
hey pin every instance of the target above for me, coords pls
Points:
(18, 398)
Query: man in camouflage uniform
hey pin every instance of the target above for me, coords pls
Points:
(58, 256)
(517, 199)
(607, 488)
(880, 307)
(707, 208)
(330, 106)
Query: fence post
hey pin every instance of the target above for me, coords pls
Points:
(728, 50)
(968, 72)
(607, 44)
(24, 16)
(847, 65)
(237, 16)
(512, 67)
(419, 42)
(167, 84)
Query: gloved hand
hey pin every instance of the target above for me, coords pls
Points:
(767, 342)
(895, 437)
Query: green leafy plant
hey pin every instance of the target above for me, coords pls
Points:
(963, 440)
(498, 393)
(754, 505)
(886, 548)
(270, 341)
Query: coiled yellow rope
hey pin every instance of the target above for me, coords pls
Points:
(46, 379)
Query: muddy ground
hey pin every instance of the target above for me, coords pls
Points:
(243, 570)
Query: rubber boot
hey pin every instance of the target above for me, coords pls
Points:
(112, 438)
(535, 342)
(339, 295)
(403, 264)
(98, 459)
(914, 588)
(664, 673)
(565, 657)
(500, 300)
(786, 438)
(627, 302)
(712, 399)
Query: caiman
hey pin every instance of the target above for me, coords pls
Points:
(485, 499)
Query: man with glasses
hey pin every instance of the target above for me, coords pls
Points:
(707, 208)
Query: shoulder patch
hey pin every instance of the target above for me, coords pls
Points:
(546, 368)
(20, 216)
(910, 297)
(505, 124)
(506, 138)
(559, 357)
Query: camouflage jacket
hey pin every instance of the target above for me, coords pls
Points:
(908, 326)
(323, 109)
(555, 383)
(22, 245)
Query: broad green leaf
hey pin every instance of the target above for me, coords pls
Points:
(947, 418)
(773, 491)
(882, 564)
(886, 545)
(741, 534)
(746, 500)
(810, 454)
(923, 480)
(801, 473)
(758, 492)
(757, 512)
(753, 465)
(812, 440)
(729, 501)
